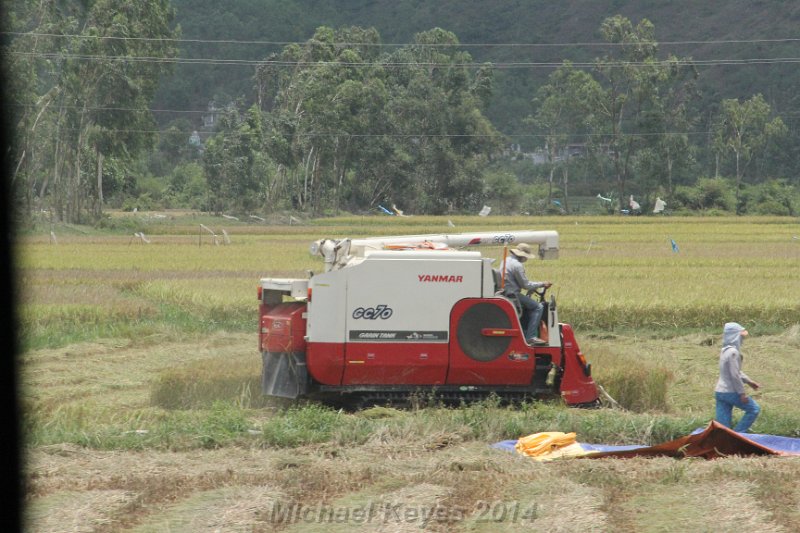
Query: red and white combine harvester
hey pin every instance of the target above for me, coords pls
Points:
(395, 316)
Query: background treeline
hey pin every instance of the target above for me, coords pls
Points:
(233, 107)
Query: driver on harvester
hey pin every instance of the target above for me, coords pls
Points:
(516, 281)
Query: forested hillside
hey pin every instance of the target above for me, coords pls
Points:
(258, 106)
(715, 30)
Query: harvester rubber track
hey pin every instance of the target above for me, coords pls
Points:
(358, 400)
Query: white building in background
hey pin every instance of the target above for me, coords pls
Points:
(541, 156)
(210, 117)
(196, 142)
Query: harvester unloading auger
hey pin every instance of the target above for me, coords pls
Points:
(395, 316)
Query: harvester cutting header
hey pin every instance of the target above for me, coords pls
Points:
(392, 316)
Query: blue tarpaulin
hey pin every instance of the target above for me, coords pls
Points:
(510, 446)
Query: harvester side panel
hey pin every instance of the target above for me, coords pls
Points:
(396, 307)
(395, 363)
(325, 362)
(326, 309)
(487, 346)
(326, 327)
(406, 297)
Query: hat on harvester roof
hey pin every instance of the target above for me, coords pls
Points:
(522, 250)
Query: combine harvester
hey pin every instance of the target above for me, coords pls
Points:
(395, 316)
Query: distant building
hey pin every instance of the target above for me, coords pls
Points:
(514, 151)
(541, 156)
(538, 156)
(196, 142)
(576, 150)
(210, 117)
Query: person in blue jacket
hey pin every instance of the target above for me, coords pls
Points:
(729, 392)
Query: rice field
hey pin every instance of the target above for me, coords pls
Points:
(612, 274)
(140, 377)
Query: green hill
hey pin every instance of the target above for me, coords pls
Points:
(569, 29)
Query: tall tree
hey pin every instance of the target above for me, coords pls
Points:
(668, 150)
(320, 108)
(745, 128)
(235, 166)
(350, 125)
(436, 109)
(631, 72)
(565, 113)
(34, 94)
(98, 72)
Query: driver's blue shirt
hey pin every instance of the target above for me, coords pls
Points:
(516, 280)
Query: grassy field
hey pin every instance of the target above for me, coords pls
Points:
(140, 377)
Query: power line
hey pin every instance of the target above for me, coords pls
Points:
(424, 45)
(391, 64)
(213, 111)
(411, 135)
(95, 108)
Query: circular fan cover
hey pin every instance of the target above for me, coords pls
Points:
(468, 332)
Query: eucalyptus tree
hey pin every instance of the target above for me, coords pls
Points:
(95, 78)
(632, 76)
(566, 109)
(32, 69)
(667, 152)
(235, 166)
(745, 128)
(321, 96)
(349, 124)
(443, 137)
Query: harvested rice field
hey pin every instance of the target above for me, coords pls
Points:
(142, 410)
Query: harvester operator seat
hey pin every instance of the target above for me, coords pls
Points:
(498, 290)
